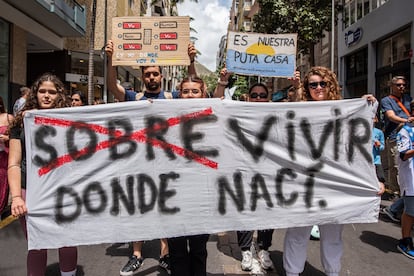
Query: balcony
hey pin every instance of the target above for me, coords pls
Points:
(65, 18)
(247, 7)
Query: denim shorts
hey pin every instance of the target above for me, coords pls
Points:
(409, 205)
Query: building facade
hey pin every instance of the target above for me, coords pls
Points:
(38, 36)
(375, 43)
(31, 30)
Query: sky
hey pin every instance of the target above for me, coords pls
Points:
(211, 18)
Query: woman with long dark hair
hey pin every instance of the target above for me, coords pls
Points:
(47, 92)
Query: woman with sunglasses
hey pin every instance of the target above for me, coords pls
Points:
(47, 92)
(320, 84)
(257, 93)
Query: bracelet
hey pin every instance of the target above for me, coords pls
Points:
(222, 83)
(15, 196)
(11, 166)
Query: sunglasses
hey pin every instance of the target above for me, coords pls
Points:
(399, 84)
(255, 95)
(314, 85)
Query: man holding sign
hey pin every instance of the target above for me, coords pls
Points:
(152, 79)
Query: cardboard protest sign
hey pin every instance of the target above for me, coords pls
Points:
(267, 55)
(157, 40)
(186, 167)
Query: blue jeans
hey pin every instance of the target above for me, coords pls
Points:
(398, 206)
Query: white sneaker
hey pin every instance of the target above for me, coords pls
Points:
(257, 269)
(264, 259)
(315, 234)
(247, 260)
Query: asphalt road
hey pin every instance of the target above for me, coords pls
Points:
(369, 249)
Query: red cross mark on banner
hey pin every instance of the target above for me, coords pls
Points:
(139, 136)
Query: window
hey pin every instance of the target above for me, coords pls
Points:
(377, 3)
(357, 64)
(401, 46)
(345, 15)
(360, 10)
(357, 73)
(394, 49)
(247, 26)
(366, 7)
(384, 53)
(352, 12)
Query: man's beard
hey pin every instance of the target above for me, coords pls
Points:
(152, 86)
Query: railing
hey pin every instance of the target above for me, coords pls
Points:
(71, 9)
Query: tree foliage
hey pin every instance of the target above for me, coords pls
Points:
(308, 18)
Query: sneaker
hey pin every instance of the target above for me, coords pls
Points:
(390, 214)
(132, 265)
(315, 234)
(257, 268)
(406, 247)
(265, 260)
(247, 260)
(164, 262)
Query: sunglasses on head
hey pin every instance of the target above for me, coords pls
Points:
(255, 95)
(314, 85)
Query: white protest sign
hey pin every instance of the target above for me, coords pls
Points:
(140, 170)
(267, 55)
(156, 40)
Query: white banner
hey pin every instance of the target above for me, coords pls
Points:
(140, 170)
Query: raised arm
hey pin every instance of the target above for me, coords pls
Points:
(296, 83)
(116, 89)
(222, 83)
(192, 52)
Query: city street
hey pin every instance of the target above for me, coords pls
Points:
(369, 249)
(312, 92)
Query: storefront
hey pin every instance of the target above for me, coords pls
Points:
(77, 74)
(375, 47)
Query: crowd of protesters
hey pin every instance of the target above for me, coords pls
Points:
(187, 255)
